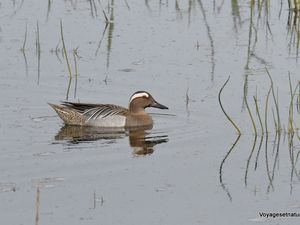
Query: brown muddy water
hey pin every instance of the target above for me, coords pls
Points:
(192, 167)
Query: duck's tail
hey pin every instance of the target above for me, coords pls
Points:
(69, 116)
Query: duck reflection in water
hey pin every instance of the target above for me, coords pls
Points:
(140, 139)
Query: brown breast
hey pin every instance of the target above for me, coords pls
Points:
(136, 120)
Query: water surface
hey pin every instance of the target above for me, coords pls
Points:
(184, 170)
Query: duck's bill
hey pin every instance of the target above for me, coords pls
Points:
(158, 105)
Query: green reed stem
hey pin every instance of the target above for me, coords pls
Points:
(76, 70)
(249, 111)
(298, 97)
(258, 114)
(275, 101)
(75, 61)
(248, 161)
(295, 5)
(290, 118)
(291, 129)
(68, 88)
(64, 49)
(290, 84)
(104, 13)
(227, 116)
(274, 120)
(266, 110)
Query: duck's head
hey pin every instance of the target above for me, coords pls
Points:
(141, 100)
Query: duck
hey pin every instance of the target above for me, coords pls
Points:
(109, 115)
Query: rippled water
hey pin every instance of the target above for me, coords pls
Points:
(192, 167)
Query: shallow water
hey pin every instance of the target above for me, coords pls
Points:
(184, 170)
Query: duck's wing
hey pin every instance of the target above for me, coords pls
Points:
(80, 107)
(94, 111)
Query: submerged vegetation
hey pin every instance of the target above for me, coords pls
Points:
(279, 130)
(221, 105)
(65, 50)
(280, 120)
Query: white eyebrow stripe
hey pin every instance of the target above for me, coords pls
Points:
(138, 95)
